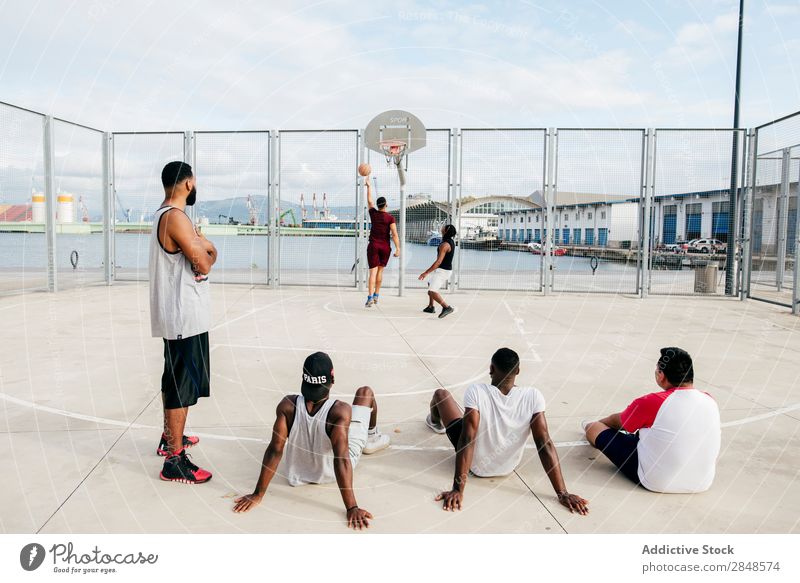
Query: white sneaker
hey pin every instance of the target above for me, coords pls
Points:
(376, 442)
(435, 427)
(585, 423)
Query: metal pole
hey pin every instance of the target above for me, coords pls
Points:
(361, 157)
(402, 235)
(50, 204)
(647, 192)
(747, 216)
(188, 157)
(454, 194)
(782, 208)
(730, 255)
(549, 214)
(109, 213)
(274, 209)
(796, 257)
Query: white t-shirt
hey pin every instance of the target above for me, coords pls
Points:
(503, 428)
(679, 439)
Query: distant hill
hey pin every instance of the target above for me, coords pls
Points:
(237, 208)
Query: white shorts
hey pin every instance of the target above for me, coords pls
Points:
(439, 279)
(357, 434)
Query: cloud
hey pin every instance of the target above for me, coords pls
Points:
(699, 44)
(245, 65)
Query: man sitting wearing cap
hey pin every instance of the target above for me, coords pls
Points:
(323, 438)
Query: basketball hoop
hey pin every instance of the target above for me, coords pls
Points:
(393, 150)
(394, 134)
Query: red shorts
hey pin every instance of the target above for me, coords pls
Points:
(378, 254)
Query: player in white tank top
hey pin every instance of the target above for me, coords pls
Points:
(180, 314)
(319, 440)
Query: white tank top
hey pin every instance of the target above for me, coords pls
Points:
(308, 457)
(180, 307)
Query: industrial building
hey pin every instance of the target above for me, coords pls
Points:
(613, 221)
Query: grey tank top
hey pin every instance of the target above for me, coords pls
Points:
(180, 306)
(308, 457)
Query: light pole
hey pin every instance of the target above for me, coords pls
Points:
(730, 256)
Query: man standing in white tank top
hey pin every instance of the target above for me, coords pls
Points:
(180, 313)
(322, 439)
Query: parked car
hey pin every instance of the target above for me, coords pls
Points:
(707, 246)
(677, 247)
(538, 249)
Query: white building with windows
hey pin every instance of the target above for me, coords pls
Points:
(613, 220)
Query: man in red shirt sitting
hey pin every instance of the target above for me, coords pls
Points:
(667, 441)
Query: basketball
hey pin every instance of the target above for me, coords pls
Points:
(364, 169)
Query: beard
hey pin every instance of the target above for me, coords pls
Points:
(192, 198)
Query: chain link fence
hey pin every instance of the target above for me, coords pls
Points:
(428, 206)
(78, 182)
(23, 246)
(317, 203)
(773, 208)
(597, 210)
(232, 170)
(691, 209)
(138, 192)
(501, 177)
(536, 210)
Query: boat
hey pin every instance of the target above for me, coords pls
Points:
(476, 237)
(538, 249)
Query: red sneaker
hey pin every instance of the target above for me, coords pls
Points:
(179, 468)
(163, 446)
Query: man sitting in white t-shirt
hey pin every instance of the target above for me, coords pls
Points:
(490, 435)
(666, 441)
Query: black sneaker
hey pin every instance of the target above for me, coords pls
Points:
(446, 311)
(179, 468)
(430, 310)
(163, 446)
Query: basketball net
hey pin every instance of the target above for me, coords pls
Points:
(393, 151)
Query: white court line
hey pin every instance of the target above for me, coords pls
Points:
(251, 312)
(767, 415)
(520, 324)
(116, 423)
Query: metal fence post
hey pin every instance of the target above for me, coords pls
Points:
(50, 203)
(551, 146)
(361, 157)
(738, 238)
(647, 193)
(401, 233)
(274, 209)
(783, 219)
(454, 196)
(747, 227)
(188, 157)
(796, 281)
(109, 214)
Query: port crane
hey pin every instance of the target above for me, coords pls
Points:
(252, 213)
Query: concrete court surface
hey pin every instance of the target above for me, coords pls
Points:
(80, 409)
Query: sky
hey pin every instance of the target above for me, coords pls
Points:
(236, 65)
(296, 64)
